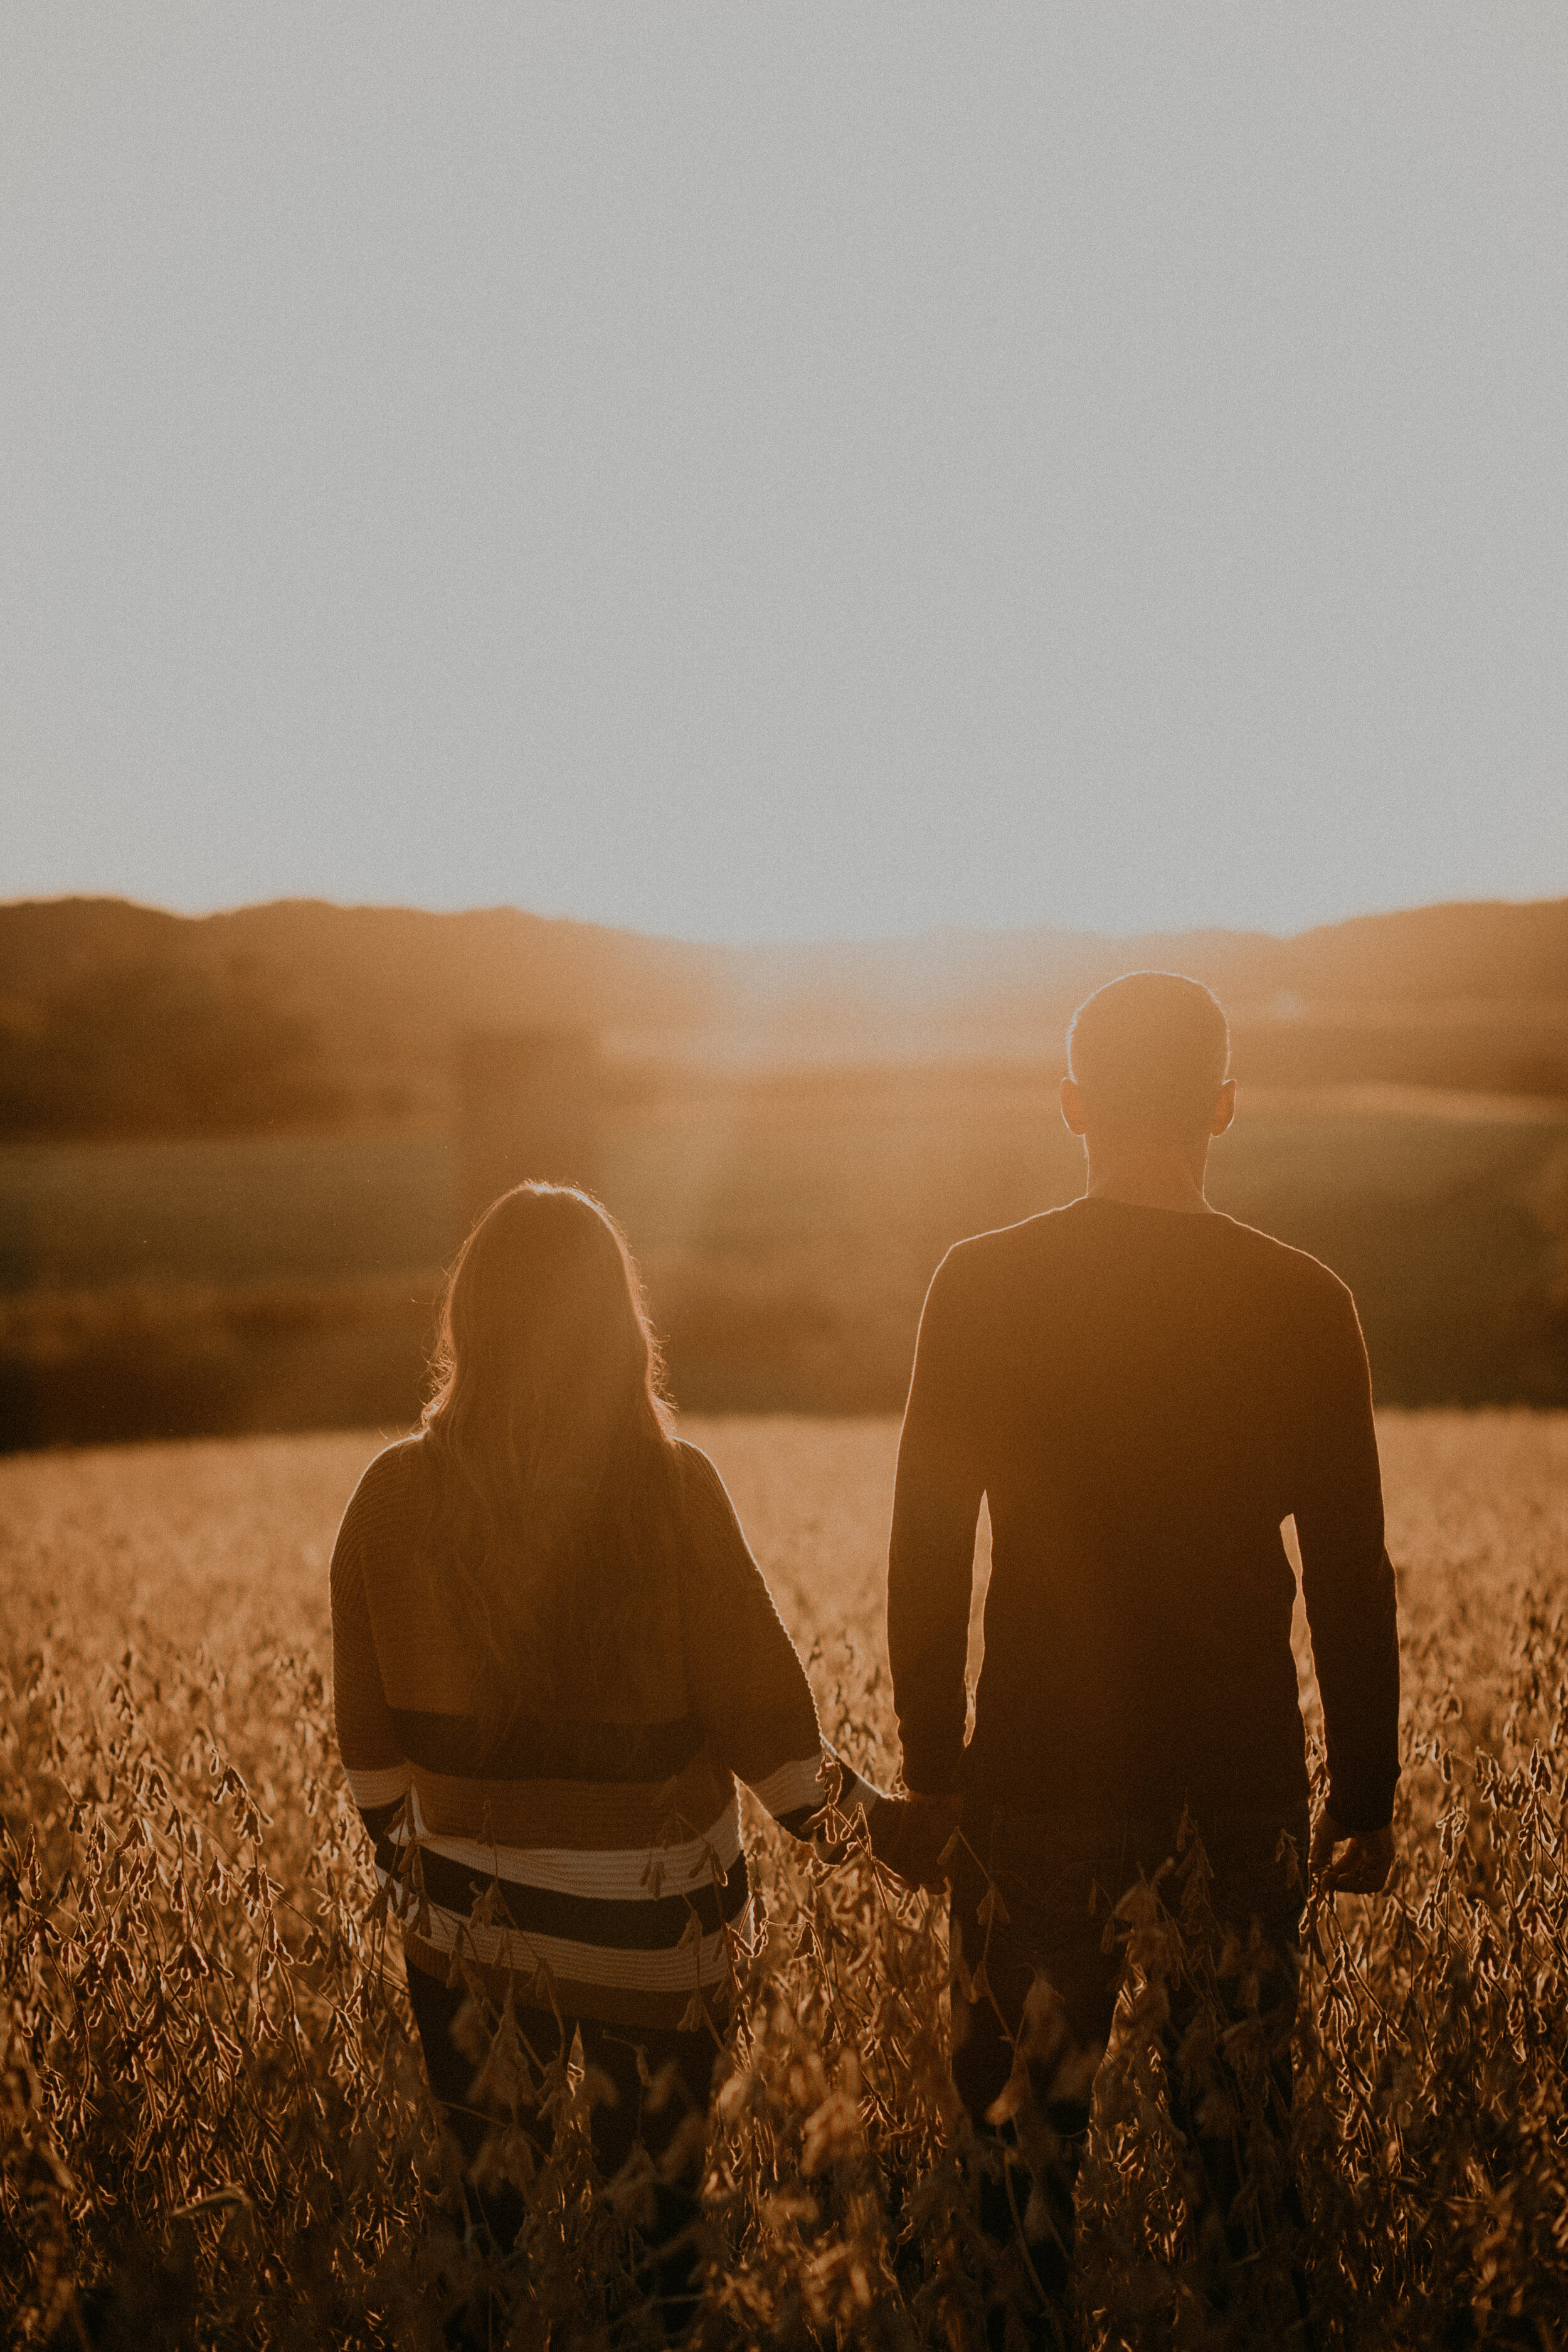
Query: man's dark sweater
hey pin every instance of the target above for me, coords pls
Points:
(1142, 1395)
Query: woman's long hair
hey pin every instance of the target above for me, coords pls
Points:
(555, 1499)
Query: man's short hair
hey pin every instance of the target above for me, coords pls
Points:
(1150, 1049)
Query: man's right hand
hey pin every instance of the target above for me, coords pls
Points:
(1361, 1868)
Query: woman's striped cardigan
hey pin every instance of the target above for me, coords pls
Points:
(594, 1862)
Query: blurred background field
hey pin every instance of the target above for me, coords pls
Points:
(787, 1227)
(234, 1154)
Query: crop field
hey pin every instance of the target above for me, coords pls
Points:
(212, 2126)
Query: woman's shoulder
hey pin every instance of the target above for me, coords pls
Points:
(713, 1537)
(700, 1488)
(373, 1535)
(388, 1484)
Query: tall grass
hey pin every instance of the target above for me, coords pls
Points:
(213, 2125)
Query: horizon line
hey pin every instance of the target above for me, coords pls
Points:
(774, 943)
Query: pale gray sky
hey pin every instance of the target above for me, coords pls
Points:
(768, 470)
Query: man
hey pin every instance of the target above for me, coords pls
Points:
(1142, 1390)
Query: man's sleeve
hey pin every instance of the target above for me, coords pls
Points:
(1347, 1580)
(931, 1558)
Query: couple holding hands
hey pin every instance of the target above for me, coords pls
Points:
(554, 1654)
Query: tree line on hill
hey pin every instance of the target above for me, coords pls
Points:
(118, 1020)
(160, 1048)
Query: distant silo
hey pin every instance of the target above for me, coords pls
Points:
(530, 1104)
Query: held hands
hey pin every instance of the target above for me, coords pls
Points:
(852, 1795)
(908, 1835)
(911, 1835)
(1361, 1867)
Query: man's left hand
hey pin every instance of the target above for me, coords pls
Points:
(1362, 1866)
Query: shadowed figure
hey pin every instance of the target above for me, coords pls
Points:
(1142, 1391)
(553, 1653)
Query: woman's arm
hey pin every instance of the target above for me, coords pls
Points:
(376, 1770)
(747, 1685)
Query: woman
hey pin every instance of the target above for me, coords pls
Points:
(553, 1653)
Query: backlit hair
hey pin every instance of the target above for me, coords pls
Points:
(555, 1450)
(1150, 1050)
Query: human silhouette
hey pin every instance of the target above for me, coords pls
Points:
(553, 1653)
(1142, 1390)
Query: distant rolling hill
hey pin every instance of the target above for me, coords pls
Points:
(302, 1013)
